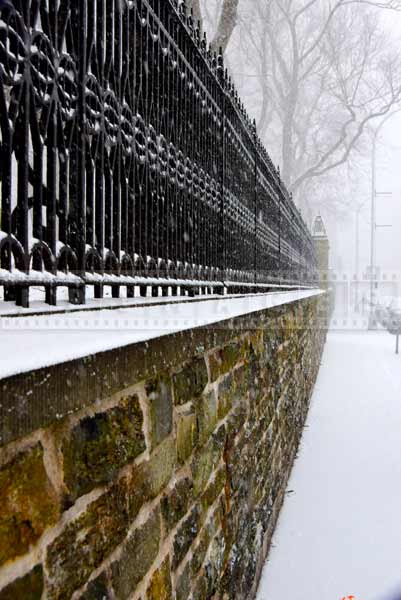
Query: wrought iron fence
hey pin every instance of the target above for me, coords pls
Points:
(128, 159)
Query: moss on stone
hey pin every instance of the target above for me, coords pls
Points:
(86, 541)
(138, 554)
(256, 342)
(206, 412)
(237, 419)
(160, 408)
(225, 394)
(190, 382)
(200, 591)
(199, 552)
(29, 587)
(185, 536)
(216, 559)
(187, 435)
(202, 467)
(160, 584)
(213, 490)
(28, 503)
(183, 585)
(175, 504)
(212, 523)
(223, 360)
(148, 479)
(206, 459)
(100, 445)
(161, 467)
(97, 589)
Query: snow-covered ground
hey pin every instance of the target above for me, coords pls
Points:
(32, 342)
(339, 533)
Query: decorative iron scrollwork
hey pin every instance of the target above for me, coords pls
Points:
(125, 151)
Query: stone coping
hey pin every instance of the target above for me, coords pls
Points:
(35, 399)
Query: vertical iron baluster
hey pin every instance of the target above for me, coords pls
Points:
(51, 167)
(220, 154)
(100, 154)
(131, 175)
(51, 201)
(107, 116)
(66, 122)
(78, 158)
(255, 191)
(23, 145)
(117, 13)
(91, 145)
(127, 115)
(6, 128)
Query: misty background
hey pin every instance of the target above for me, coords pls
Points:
(358, 62)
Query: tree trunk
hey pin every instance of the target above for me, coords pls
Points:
(194, 5)
(226, 26)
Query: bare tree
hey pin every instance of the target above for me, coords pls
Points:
(226, 24)
(194, 6)
(319, 74)
(221, 17)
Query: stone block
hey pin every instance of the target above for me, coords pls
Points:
(138, 554)
(225, 394)
(256, 342)
(202, 467)
(214, 489)
(86, 541)
(185, 536)
(206, 412)
(100, 445)
(199, 552)
(161, 466)
(149, 478)
(229, 529)
(218, 516)
(232, 390)
(29, 503)
(223, 360)
(97, 589)
(190, 382)
(206, 459)
(29, 587)
(216, 555)
(237, 419)
(183, 585)
(175, 504)
(160, 408)
(187, 435)
(201, 589)
(160, 587)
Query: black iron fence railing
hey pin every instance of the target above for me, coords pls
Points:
(127, 159)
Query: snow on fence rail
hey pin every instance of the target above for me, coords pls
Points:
(125, 152)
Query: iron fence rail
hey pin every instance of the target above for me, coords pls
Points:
(127, 158)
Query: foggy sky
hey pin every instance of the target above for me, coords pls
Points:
(388, 208)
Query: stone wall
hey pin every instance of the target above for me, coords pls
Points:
(156, 471)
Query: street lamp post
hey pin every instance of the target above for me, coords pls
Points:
(357, 216)
(374, 193)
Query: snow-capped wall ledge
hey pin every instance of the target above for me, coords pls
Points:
(150, 456)
(51, 339)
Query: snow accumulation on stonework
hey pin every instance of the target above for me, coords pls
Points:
(339, 533)
(32, 342)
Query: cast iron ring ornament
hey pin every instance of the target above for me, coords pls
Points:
(123, 141)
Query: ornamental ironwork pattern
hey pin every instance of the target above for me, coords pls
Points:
(128, 159)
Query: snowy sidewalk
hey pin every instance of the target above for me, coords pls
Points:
(339, 533)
